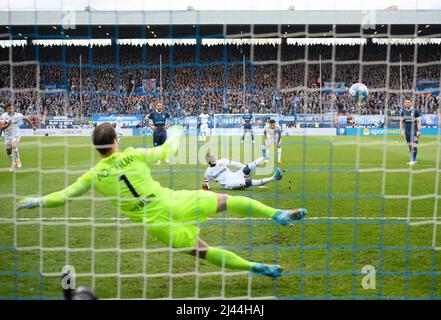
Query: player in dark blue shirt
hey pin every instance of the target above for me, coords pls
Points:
(247, 126)
(159, 121)
(410, 127)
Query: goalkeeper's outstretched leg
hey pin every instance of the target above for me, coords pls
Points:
(245, 207)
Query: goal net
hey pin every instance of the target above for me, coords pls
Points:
(373, 228)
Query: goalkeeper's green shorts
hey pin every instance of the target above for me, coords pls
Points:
(178, 223)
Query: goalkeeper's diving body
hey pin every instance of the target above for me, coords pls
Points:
(170, 216)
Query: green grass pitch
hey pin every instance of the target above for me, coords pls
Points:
(356, 218)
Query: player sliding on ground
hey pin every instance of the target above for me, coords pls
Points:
(219, 171)
(171, 216)
(10, 123)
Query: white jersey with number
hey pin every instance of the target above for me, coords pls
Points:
(224, 176)
(273, 135)
(13, 130)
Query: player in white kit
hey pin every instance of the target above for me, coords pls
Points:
(219, 171)
(10, 123)
(204, 119)
(273, 134)
(118, 127)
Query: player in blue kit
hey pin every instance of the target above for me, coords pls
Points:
(410, 127)
(159, 121)
(247, 127)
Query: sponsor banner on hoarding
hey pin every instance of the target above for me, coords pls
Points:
(382, 131)
(129, 120)
(64, 132)
(311, 118)
(186, 121)
(368, 119)
(257, 132)
(341, 131)
(56, 132)
(429, 120)
(60, 120)
(372, 131)
(236, 120)
(308, 132)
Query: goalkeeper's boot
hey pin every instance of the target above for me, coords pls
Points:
(411, 162)
(273, 271)
(18, 163)
(277, 174)
(285, 217)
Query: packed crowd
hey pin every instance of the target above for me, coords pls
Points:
(83, 81)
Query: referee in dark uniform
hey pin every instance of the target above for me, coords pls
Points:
(159, 121)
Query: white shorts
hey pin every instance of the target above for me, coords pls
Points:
(271, 139)
(204, 128)
(10, 141)
(235, 180)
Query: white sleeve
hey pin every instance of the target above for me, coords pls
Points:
(236, 164)
(224, 162)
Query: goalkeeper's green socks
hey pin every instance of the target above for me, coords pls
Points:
(230, 260)
(227, 259)
(247, 207)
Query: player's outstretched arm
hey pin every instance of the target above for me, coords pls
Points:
(401, 127)
(4, 124)
(419, 125)
(30, 123)
(169, 123)
(170, 147)
(56, 199)
(235, 164)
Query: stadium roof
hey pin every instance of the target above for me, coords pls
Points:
(239, 31)
(220, 17)
(216, 5)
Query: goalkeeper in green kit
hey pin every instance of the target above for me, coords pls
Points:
(172, 217)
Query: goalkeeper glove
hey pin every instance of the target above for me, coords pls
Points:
(29, 203)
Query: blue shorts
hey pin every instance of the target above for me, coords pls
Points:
(159, 137)
(410, 139)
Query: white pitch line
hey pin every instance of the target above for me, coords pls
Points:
(213, 219)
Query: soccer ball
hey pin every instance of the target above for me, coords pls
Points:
(358, 92)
